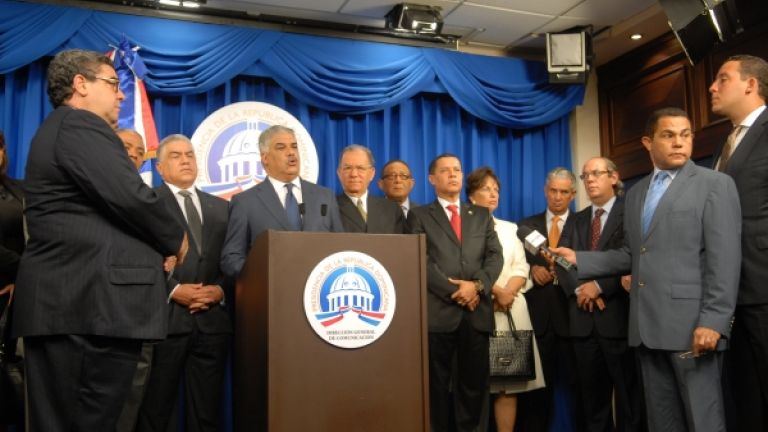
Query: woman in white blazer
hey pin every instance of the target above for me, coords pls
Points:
(483, 190)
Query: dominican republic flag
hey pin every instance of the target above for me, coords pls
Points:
(135, 113)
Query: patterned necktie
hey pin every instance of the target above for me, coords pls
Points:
(193, 220)
(728, 148)
(658, 187)
(554, 232)
(361, 209)
(596, 231)
(292, 208)
(455, 220)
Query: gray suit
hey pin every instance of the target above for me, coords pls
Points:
(259, 209)
(685, 274)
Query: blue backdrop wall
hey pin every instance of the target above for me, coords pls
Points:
(402, 102)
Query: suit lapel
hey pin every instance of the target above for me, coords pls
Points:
(438, 214)
(611, 224)
(208, 217)
(266, 193)
(165, 193)
(584, 226)
(672, 194)
(747, 144)
(349, 212)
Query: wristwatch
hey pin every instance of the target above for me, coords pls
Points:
(479, 286)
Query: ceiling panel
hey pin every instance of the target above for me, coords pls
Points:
(501, 26)
(608, 12)
(544, 7)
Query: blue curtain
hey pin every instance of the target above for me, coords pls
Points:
(403, 102)
(415, 130)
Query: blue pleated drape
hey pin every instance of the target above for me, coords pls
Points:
(403, 102)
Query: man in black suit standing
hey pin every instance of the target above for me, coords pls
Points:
(599, 309)
(463, 261)
(360, 211)
(90, 286)
(397, 182)
(283, 201)
(547, 304)
(739, 92)
(199, 329)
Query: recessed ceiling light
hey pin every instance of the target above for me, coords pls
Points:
(636, 36)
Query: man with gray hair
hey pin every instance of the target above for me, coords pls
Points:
(199, 328)
(282, 202)
(360, 211)
(547, 304)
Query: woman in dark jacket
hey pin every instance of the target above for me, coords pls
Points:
(11, 246)
(11, 227)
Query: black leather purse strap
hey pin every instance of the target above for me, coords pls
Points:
(509, 320)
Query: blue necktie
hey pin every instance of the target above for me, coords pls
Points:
(292, 208)
(658, 187)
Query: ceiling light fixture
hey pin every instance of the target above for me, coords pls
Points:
(182, 3)
(636, 36)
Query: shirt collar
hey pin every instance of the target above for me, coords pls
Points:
(607, 206)
(175, 189)
(280, 185)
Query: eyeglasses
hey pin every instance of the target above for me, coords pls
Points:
(594, 173)
(346, 169)
(114, 82)
(396, 176)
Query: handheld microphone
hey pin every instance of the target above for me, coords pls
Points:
(536, 243)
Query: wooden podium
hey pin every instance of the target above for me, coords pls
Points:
(289, 379)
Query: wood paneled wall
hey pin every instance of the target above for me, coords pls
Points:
(655, 76)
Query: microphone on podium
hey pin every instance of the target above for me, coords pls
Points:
(536, 243)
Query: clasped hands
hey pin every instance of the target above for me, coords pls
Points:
(197, 297)
(466, 294)
(589, 296)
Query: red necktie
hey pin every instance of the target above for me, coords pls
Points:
(596, 228)
(455, 220)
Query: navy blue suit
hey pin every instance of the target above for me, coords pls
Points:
(259, 209)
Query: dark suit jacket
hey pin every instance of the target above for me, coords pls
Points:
(384, 216)
(577, 235)
(11, 230)
(201, 268)
(98, 235)
(547, 304)
(749, 168)
(685, 271)
(259, 209)
(477, 257)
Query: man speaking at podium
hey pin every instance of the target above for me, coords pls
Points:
(282, 202)
(463, 261)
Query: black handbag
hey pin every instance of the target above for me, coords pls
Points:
(11, 375)
(511, 353)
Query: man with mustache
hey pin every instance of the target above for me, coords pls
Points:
(283, 201)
